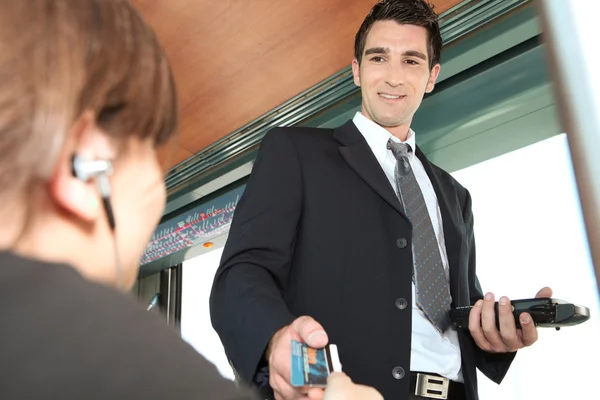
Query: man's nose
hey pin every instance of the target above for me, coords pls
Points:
(394, 77)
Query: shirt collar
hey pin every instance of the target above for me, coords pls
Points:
(377, 136)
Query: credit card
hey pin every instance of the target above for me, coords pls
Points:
(311, 367)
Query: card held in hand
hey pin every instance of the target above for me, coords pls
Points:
(311, 367)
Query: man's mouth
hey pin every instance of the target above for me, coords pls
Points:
(391, 96)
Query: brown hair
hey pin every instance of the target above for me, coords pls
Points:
(405, 12)
(59, 58)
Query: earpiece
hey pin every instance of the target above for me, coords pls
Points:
(87, 169)
(100, 169)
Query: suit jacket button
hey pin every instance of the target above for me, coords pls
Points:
(398, 372)
(401, 303)
(401, 243)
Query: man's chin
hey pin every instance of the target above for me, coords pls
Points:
(390, 122)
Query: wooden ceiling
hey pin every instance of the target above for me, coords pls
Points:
(234, 60)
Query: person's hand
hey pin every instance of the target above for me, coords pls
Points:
(482, 325)
(340, 387)
(279, 355)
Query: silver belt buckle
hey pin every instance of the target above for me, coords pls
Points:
(435, 387)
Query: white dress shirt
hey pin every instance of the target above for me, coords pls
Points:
(430, 351)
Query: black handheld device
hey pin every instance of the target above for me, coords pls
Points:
(545, 312)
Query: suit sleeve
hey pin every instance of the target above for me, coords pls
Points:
(493, 365)
(246, 303)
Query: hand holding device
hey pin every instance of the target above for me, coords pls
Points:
(493, 326)
(545, 312)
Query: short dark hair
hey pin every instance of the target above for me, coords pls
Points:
(405, 12)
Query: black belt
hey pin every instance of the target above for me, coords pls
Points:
(432, 386)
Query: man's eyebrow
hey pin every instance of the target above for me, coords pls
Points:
(415, 53)
(377, 50)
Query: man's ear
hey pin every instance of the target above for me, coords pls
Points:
(78, 198)
(356, 72)
(433, 75)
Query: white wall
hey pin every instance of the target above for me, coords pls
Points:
(530, 234)
(196, 329)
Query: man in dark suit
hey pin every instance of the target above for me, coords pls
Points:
(354, 228)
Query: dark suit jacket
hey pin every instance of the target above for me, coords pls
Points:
(319, 231)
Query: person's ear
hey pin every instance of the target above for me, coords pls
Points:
(77, 194)
(356, 72)
(433, 75)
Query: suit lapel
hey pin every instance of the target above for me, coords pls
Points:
(453, 228)
(356, 152)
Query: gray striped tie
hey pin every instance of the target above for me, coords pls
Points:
(432, 288)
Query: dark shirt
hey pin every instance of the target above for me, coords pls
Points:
(64, 337)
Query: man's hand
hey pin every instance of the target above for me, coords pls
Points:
(340, 387)
(482, 325)
(279, 354)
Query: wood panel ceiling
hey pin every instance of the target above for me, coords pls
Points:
(234, 60)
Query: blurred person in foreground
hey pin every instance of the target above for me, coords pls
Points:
(86, 98)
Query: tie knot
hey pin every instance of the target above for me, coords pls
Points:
(399, 149)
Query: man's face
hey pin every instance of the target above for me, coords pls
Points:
(394, 73)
